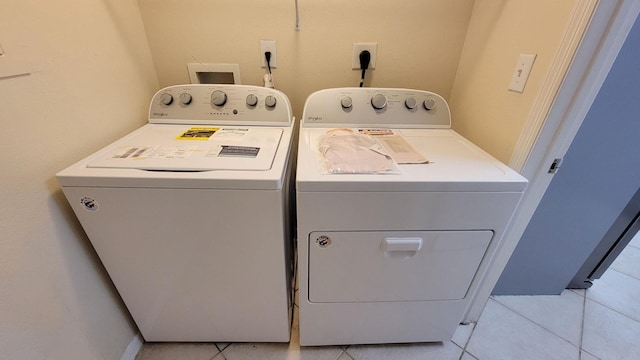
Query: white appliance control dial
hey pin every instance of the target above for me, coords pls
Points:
(185, 98)
(349, 107)
(220, 104)
(346, 102)
(218, 98)
(379, 101)
(166, 99)
(411, 103)
(252, 100)
(429, 104)
(270, 101)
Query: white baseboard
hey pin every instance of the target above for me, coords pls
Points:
(133, 348)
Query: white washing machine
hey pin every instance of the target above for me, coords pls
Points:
(392, 254)
(190, 214)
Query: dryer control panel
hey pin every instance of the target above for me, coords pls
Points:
(220, 104)
(377, 107)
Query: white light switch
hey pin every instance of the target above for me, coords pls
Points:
(521, 72)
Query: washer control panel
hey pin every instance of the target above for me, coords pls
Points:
(220, 104)
(381, 107)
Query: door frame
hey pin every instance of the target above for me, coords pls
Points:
(570, 89)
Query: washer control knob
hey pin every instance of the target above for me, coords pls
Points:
(270, 101)
(218, 98)
(346, 102)
(429, 104)
(379, 101)
(166, 99)
(252, 100)
(410, 103)
(185, 99)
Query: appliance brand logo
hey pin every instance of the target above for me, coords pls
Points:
(89, 203)
(314, 118)
(323, 241)
(160, 114)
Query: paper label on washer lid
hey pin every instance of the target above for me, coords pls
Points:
(231, 134)
(153, 152)
(198, 133)
(233, 151)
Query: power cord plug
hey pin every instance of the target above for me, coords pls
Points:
(365, 59)
(267, 56)
(268, 78)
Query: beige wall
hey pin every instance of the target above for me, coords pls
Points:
(91, 80)
(483, 109)
(419, 42)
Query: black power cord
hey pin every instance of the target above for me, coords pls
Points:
(267, 56)
(365, 58)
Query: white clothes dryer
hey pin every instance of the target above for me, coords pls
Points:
(392, 253)
(191, 214)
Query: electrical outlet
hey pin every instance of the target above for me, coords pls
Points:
(358, 48)
(268, 45)
(521, 72)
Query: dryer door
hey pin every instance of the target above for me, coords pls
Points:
(394, 265)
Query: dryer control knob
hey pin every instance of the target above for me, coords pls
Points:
(185, 99)
(166, 99)
(252, 100)
(429, 104)
(346, 102)
(379, 101)
(218, 98)
(410, 103)
(270, 101)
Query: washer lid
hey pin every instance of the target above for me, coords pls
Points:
(194, 148)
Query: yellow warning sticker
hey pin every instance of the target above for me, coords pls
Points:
(198, 133)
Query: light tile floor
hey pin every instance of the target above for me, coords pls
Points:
(602, 322)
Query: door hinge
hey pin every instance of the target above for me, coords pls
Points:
(554, 166)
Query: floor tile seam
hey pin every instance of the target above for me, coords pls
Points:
(614, 310)
(466, 343)
(584, 309)
(634, 246)
(623, 273)
(577, 291)
(595, 357)
(470, 354)
(538, 325)
(219, 354)
(344, 351)
(459, 347)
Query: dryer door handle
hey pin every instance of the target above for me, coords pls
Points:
(402, 244)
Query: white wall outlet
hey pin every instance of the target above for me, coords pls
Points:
(268, 45)
(358, 48)
(521, 72)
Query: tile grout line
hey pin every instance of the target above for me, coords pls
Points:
(609, 307)
(344, 351)
(614, 310)
(584, 311)
(464, 348)
(537, 325)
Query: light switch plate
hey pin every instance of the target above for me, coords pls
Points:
(521, 72)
